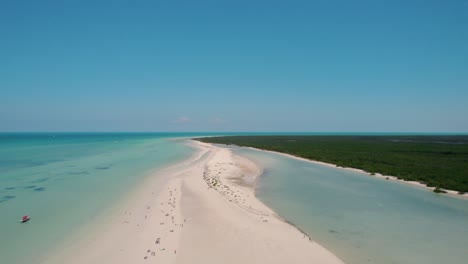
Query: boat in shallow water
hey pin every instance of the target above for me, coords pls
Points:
(25, 219)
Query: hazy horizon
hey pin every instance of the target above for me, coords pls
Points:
(259, 133)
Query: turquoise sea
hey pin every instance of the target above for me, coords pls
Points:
(65, 181)
(364, 219)
(68, 180)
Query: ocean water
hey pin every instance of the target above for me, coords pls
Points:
(66, 181)
(364, 219)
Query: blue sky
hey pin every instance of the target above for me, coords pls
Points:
(343, 66)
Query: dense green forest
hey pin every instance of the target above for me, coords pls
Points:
(437, 161)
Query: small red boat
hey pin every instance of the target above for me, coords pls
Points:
(25, 218)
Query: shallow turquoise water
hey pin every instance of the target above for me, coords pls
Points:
(363, 219)
(65, 181)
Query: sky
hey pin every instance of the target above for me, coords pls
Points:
(299, 66)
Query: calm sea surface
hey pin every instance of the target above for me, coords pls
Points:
(364, 219)
(66, 180)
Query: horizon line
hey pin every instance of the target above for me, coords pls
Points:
(256, 132)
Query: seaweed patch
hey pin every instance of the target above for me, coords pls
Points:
(102, 167)
(42, 179)
(78, 172)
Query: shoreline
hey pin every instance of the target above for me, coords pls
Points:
(420, 185)
(78, 239)
(204, 209)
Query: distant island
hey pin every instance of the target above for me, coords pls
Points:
(436, 161)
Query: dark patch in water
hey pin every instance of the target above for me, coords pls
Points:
(8, 197)
(30, 187)
(54, 160)
(39, 189)
(78, 172)
(41, 179)
(10, 188)
(333, 231)
(102, 167)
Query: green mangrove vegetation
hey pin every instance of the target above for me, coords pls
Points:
(437, 161)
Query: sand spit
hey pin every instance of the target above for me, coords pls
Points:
(204, 211)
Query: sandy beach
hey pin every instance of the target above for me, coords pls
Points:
(202, 211)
